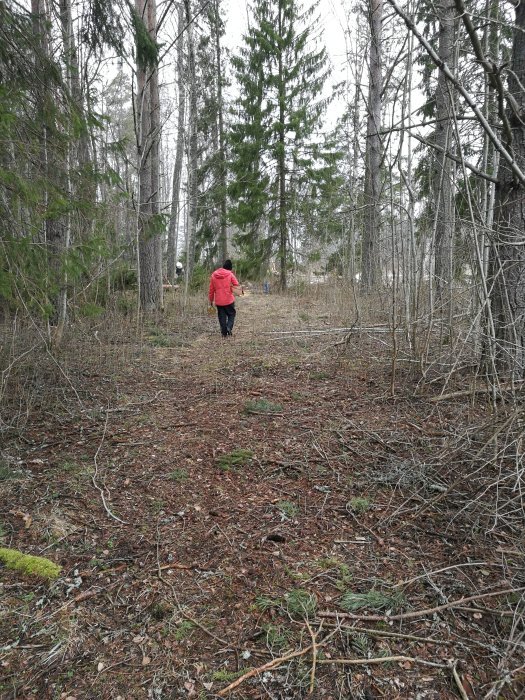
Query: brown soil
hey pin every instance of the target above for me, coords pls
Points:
(213, 504)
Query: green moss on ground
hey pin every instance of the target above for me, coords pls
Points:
(28, 564)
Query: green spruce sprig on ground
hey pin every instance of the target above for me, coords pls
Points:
(375, 600)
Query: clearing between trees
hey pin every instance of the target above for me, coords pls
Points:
(257, 517)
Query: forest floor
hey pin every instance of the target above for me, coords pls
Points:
(259, 510)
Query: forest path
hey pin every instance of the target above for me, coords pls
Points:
(267, 479)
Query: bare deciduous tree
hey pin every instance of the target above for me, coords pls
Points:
(371, 266)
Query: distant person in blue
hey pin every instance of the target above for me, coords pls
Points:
(266, 287)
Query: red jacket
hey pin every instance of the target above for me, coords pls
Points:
(221, 284)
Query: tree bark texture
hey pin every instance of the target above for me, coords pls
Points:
(147, 110)
(371, 239)
(52, 165)
(223, 233)
(173, 229)
(443, 170)
(507, 253)
(191, 230)
(281, 165)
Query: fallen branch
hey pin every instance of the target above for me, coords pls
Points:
(378, 539)
(401, 584)
(314, 655)
(458, 682)
(381, 660)
(176, 565)
(85, 595)
(509, 386)
(265, 667)
(392, 635)
(326, 331)
(421, 613)
(273, 664)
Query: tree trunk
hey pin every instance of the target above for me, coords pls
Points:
(443, 173)
(370, 263)
(149, 238)
(281, 172)
(223, 234)
(192, 149)
(507, 253)
(53, 170)
(173, 230)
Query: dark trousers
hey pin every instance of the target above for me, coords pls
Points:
(226, 316)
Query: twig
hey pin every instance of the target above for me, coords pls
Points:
(393, 635)
(157, 552)
(421, 613)
(381, 660)
(269, 414)
(272, 664)
(175, 565)
(260, 669)
(506, 155)
(437, 499)
(379, 539)
(223, 642)
(487, 611)
(129, 406)
(476, 390)
(85, 595)
(184, 614)
(312, 331)
(94, 476)
(314, 655)
(440, 571)
(457, 679)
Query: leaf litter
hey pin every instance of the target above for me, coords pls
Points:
(184, 536)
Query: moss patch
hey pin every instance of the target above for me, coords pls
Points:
(27, 564)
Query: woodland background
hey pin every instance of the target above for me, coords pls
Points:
(374, 396)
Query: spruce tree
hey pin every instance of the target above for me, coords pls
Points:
(281, 74)
(211, 239)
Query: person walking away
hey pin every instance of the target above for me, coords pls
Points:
(223, 286)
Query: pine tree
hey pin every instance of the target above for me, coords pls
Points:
(281, 76)
(148, 123)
